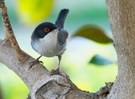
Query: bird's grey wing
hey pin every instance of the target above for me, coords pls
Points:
(62, 36)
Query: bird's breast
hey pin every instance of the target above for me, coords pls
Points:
(48, 46)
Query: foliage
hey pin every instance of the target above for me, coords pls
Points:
(94, 33)
(33, 11)
(99, 60)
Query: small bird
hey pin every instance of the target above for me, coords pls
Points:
(49, 39)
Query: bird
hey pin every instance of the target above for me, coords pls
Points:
(50, 39)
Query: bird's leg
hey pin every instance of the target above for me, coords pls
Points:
(36, 61)
(57, 71)
(39, 58)
(59, 58)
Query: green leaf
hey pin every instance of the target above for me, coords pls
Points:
(1, 93)
(99, 60)
(93, 33)
(33, 11)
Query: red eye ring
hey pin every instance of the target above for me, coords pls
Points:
(46, 29)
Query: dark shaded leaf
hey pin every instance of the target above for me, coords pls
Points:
(99, 60)
(93, 33)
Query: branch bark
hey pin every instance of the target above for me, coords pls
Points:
(9, 34)
(41, 83)
(39, 80)
(122, 20)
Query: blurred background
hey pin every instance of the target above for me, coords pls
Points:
(90, 59)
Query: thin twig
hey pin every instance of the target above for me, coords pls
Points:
(9, 34)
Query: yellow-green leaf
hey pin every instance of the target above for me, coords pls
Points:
(93, 33)
(33, 11)
(99, 60)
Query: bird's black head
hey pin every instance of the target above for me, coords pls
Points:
(43, 29)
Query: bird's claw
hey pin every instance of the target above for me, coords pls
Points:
(34, 62)
(54, 72)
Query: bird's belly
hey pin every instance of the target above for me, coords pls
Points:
(48, 49)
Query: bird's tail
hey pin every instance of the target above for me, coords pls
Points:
(61, 18)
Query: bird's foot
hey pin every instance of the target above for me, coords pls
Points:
(35, 62)
(55, 72)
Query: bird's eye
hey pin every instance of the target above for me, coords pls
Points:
(46, 29)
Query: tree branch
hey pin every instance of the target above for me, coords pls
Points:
(39, 80)
(9, 34)
(122, 20)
